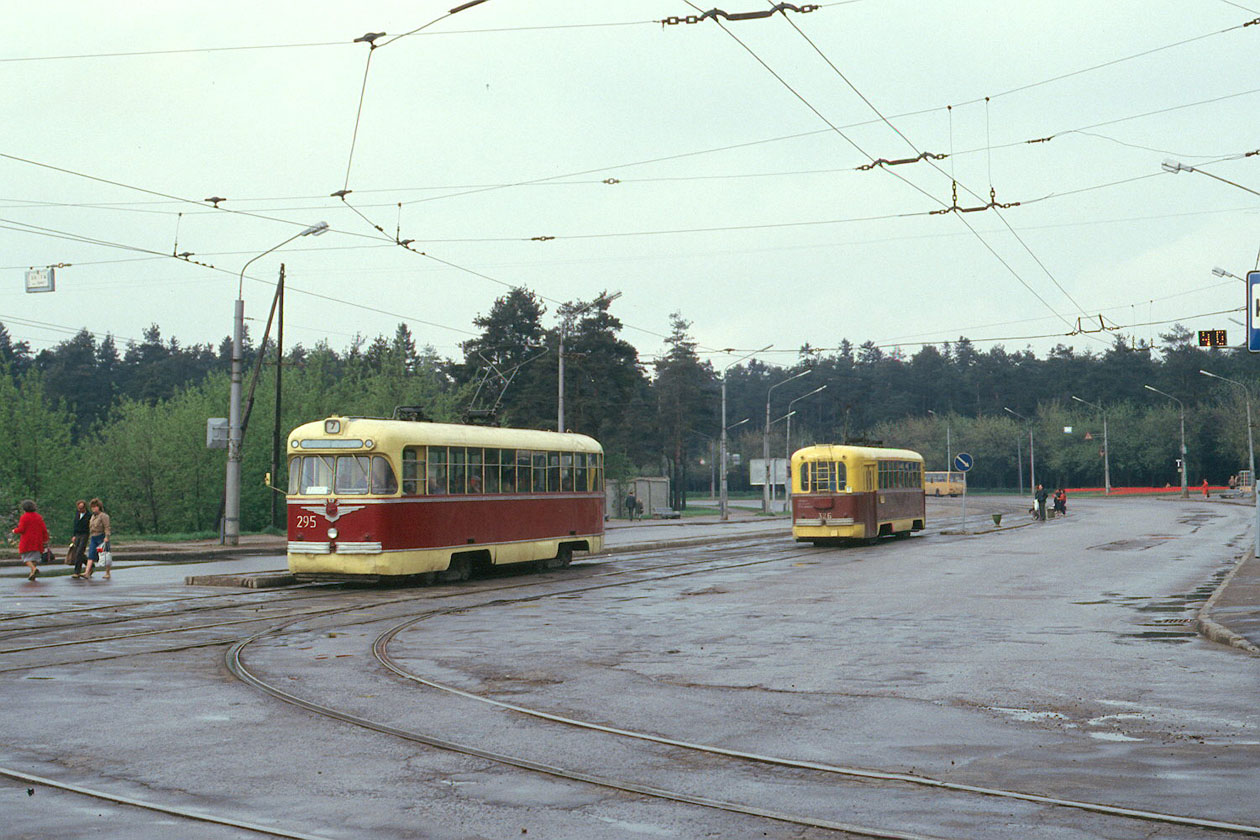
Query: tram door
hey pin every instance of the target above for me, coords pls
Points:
(870, 515)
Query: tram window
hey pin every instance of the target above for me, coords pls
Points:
(295, 474)
(413, 471)
(458, 481)
(580, 480)
(492, 470)
(507, 472)
(475, 484)
(524, 471)
(437, 469)
(553, 471)
(566, 472)
(352, 474)
(317, 475)
(539, 472)
(383, 480)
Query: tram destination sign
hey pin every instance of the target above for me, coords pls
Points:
(1253, 311)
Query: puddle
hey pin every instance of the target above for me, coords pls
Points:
(1112, 736)
(1027, 715)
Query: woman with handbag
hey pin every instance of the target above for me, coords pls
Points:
(34, 537)
(98, 539)
(77, 554)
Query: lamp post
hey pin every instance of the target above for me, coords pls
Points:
(1185, 487)
(787, 445)
(564, 326)
(1032, 453)
(1106, 450)
(1220, 272)
(1251, 451)
(722, 447)
(232, 480)
(765, 441)
(948, 446)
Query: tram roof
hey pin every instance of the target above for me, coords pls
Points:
(393, 434)
(837, 452)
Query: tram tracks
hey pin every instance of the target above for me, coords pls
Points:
(380, 648)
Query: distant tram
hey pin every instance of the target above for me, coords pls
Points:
(392, 498)
(945, 483)
(856, 492)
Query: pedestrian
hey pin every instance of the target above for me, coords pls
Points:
(1233, 483)
(632, 505)
(98, 539)
(1205, 488)
(1060, 502)
(1040, 498)
(34, 537)
(77, 555)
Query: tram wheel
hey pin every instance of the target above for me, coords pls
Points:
(563, 558)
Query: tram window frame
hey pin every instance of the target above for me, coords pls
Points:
(492, 457)
(538, 472)
(581, 480)
(414, 481)
(553, 472)
(566, 472)
(381, 475)
(295, 475)
(361, 469)
(524, 470)
(457, 478)
(507, 471)
(475, 461)
(438, 468)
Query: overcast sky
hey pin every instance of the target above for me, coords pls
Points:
(736, 197)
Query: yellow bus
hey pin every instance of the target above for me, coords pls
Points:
(945, 483)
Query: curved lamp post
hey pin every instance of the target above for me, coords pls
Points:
(787, 444)
(1032, 455)
(1106, 449)
(722, 448)
(1185, 487)
(232, 480)
(766, 491)
(1251, 451)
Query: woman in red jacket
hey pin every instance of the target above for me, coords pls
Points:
(34, 535)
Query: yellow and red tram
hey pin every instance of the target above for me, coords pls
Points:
(391, 498)
(856, 492)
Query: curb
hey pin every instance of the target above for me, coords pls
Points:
(1215, 631)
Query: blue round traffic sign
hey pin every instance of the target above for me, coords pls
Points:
(963, 462)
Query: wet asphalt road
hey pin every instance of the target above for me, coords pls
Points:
(1051, 659)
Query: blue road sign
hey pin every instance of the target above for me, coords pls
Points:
(964, 462)
(1253, 311)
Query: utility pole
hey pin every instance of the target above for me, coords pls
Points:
(275, 429)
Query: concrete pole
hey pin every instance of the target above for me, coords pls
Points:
(722, 456)
(1032, 461)
(232, 480)
(1185, 486)
(560, 386)
(1106, 459)
(765, 457)
(787, 461)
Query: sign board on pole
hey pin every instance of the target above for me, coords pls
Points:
(41, 280)
(1253, 311)
(216, 433)
(963, 462)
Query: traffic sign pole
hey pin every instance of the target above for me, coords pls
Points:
(963, 463)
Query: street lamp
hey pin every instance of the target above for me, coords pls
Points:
(1220, 272)
(1032, 454)
(232, 480)
(1251, 450)
(1175, 166)
(722, 448)
(564, 326)
(1185, 488)
(1106, 449)
(948, 447)
(787, 445)
(765, 440)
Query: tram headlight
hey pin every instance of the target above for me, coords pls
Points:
(332, 533)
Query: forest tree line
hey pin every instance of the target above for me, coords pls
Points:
(86, 418)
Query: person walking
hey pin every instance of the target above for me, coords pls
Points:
(632, 505)
(1040, 498)
(1205, 488)
(1060, 502)
(77, 555)
(98, 539)
(34, 537)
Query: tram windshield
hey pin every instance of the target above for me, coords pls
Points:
(322, 475)
(822, 477)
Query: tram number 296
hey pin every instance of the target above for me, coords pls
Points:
(306, 522)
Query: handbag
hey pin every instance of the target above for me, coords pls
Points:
(107, 559)
(47, 556)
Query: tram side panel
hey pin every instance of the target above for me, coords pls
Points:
(415, 536)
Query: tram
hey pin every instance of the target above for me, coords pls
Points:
(856, 492)
(372, 498)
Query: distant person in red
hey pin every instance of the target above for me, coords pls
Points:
(34, 537)
(1205, 488)
(1060, 502)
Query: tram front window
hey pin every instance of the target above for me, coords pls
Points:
(352, 474)
(317, 475)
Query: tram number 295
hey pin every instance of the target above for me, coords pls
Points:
(306, 521)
